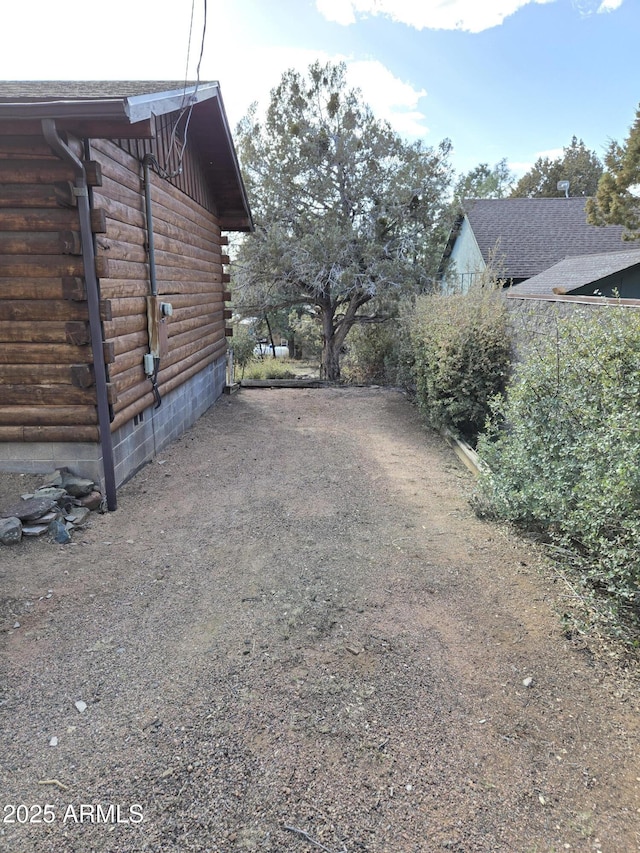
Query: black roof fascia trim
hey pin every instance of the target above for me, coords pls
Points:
(236, 163)
(106, 108)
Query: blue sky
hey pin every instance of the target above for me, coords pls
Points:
(500, 78)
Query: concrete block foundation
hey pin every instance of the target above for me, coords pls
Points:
(134, 444)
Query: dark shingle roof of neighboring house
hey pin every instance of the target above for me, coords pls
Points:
(535, 233)
(573, 273)
(127, 105)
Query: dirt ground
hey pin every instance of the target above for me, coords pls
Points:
(294, 635)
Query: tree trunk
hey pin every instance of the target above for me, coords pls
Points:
(273, 346)
(330, 366)
(330, 360)
(334, 333)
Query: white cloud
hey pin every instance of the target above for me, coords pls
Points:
(338, 11)
(521, 167)
(389, 97)
(590, 7)
(609, 5)
(550, 153)
(242, 86)
(469, 15)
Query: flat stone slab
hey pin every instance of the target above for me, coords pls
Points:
(35, 529)
(29, 510)
(53, 492)
(284, 383)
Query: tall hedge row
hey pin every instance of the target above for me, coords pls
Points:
(461, 354)
(562, 446)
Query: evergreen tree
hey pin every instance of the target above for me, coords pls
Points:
(617, 200)
(346, 212)
(577, 164)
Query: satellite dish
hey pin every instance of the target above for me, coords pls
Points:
(563, 185)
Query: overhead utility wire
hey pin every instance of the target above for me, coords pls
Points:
(186, 68)
(186, 108)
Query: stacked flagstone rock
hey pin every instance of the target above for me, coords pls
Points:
(57, 508)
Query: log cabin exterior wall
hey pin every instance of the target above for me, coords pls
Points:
(189, 266)
(48, 396)
(44, 329)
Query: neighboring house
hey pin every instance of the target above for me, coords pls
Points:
(611, 275)
(520, 238)
(113, 200)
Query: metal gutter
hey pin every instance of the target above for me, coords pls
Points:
(107, 108)
(132, 108)
(81, 191)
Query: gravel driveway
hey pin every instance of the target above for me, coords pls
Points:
(294, 635)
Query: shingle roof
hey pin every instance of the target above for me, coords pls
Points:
(572, 273)
(535, 233)
(46, 90)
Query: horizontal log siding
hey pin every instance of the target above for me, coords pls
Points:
(190, 180)
(189, 270)
(44, 328)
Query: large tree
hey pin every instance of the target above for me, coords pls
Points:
(346, 211)
(577, 164)
(617, 200)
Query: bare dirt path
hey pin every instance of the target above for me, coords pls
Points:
(294, 635)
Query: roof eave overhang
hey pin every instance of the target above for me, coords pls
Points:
(245, 222)
(133, 109)
(133, 117)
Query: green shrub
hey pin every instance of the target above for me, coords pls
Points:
(461, 355)
(563, 446)
(370, 353)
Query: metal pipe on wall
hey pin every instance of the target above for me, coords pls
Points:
(146, 163)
